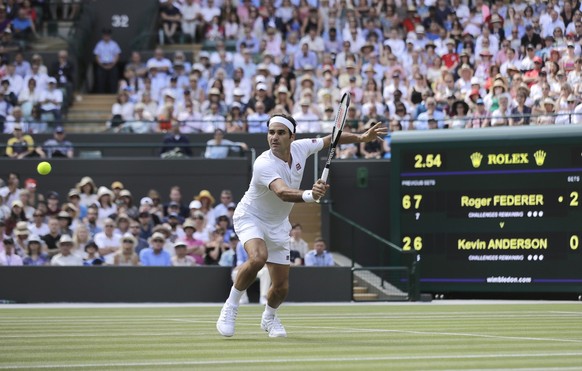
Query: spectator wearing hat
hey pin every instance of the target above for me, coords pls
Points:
(108, 241)
(182, 259)
(17, 117)
(88, 191)
(51, 100)
(351, 71)
(194, 246)
(127, 256)
(21, 234)
(65, 221)
(565, 114)
(15, 216)
(105, 203)
(8, 256)
(155, 255)
(307, 121)
(107, 53)
(34, 254)
(58, 146)
(21, 145)
(126, 203)
(65, 257)
(91, 255)
(548, 117)
(7, 41)
(154, 208)
(500, 116)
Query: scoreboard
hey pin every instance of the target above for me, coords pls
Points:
(495, 210)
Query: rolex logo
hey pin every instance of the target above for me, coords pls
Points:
(540, 157)
(476, 158)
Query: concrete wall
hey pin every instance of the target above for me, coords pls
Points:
(157, 284)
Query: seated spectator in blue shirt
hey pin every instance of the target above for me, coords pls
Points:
(219, 147)
(318, 257)
(155, 255)
(58, 146)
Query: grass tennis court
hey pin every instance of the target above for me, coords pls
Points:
(438, 335)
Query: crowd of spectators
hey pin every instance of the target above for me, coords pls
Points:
(412, 65)
(97, 225)
(34, 96)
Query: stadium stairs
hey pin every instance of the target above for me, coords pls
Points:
(367, 286)
(89, 113)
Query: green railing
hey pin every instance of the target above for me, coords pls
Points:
(393, 266)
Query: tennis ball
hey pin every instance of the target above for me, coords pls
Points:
(44, 168)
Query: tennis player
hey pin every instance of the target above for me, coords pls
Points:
(261, 218)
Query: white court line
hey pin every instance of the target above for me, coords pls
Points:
(412, 316)
(441, 333)
(334, 360)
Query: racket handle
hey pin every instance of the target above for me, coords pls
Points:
(324, 174)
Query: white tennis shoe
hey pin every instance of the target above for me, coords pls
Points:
(273, 326)
(226, 321)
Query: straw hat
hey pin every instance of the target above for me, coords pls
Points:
(205, 193)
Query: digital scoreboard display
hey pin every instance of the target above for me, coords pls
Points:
(490, 210)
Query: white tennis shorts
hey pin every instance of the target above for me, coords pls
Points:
(248, 227)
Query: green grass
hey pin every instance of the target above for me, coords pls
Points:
(320, 337)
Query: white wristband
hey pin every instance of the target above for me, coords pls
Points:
(308, 196)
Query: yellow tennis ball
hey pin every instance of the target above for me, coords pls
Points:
(44, 168)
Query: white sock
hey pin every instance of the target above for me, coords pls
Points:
(270, 312)
(234, 297)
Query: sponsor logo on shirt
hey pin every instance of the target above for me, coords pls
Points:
(287, 257)
(298, 167)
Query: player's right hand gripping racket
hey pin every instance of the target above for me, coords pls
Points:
(340, 121)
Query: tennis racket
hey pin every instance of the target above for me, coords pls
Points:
(340, 121)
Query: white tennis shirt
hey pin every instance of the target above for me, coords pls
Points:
(259, 200)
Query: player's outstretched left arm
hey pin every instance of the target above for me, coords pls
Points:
(378, 131)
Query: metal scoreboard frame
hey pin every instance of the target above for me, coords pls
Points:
(493, 210)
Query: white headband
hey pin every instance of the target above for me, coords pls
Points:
(284, 121)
